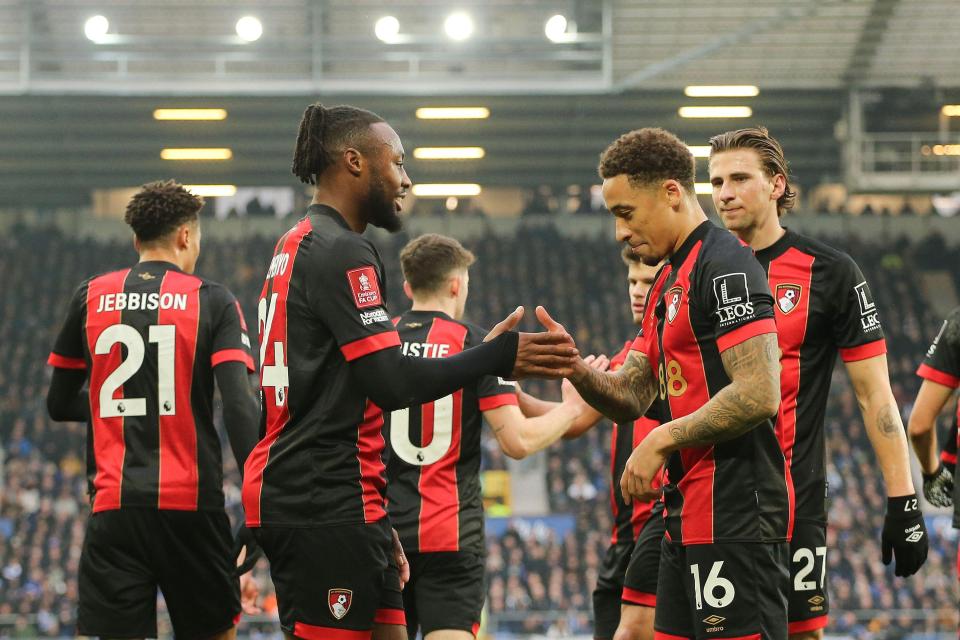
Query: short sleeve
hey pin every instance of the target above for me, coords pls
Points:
(942, 361)
(351, 299)
(855, 320)
(733, 291)
(231, 340)
(492, 391)
(68, 350)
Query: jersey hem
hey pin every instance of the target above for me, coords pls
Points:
(744, 332)
(489, 403)
(927, 372)
(65, 362)
(232, 355)
(864, 351)
(371, 344)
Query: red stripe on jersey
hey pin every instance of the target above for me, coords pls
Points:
(499, 400)
(475, 629)
(639, 597)
(373, 477)
(371, 344)
(949, 458)
(660, 635)
(63, 362)
(109, 447)
(802, 626)
(641, 508)
(687, 390)
(744, 332)
(752, 636)
(315, 632)
(940, 377)
(179, 475)
(439, 528)
(243, 321)
(792, 270)
(277, 408)
(390, 616)
(232, 355)
(864, 351)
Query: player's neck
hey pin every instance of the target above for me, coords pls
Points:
(344, 204)
(764, 235)
(160, 254)
(694, 218)
(447, 306)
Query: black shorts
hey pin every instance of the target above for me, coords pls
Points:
(446, 591)
(809, 606)
(333, 579)
(640, 582)
(129, 553)
(723, 590)
(606, 597)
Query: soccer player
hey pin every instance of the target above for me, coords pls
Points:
(150, 340)
(626, 591)
(940, 371)
(707, 354)
(433, 473)
(823, 307)
(331, 359)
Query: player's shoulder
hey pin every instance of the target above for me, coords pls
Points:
(826, 255)
(723, 250)
(475, 333)
(953, 322)
(214, 289)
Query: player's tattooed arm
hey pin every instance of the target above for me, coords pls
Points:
(871, 384)
(622, 396)
(752, 396)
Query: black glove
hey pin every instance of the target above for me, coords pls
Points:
(938, 487)
(243, 539)
(904, 535)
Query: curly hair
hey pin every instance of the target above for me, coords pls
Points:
(326, 131)
(771, 157)
(647, 156)
(427, 260)
(159, 208)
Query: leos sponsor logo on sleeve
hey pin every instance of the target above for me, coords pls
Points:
(733, 298)
(869, 318)
(363, 284)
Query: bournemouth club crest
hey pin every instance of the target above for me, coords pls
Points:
(674, 298)
(788, 297)
(339, 601)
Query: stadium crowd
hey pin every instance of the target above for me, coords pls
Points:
(581, 281)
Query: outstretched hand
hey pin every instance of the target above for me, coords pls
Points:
(548, 354)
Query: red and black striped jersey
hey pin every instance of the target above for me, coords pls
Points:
(628, 519)
(823, 306)
(713, 295)
(433, 471)
(941, 364)
(149, 338)
(320, 460)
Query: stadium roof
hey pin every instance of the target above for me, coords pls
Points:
(310, 46)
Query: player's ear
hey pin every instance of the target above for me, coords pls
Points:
(354, 161)
(407, 290)
(455, 282)
(672, 192)
(779, 186)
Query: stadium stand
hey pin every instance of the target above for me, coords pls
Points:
(539, 581)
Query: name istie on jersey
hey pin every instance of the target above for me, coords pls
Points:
(426, 350)
(142, 301)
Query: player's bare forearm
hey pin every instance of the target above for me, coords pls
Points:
(531, 406)
(622, 396)
(923, 419)
(871, 384)
(752, 396)
(520, 437)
